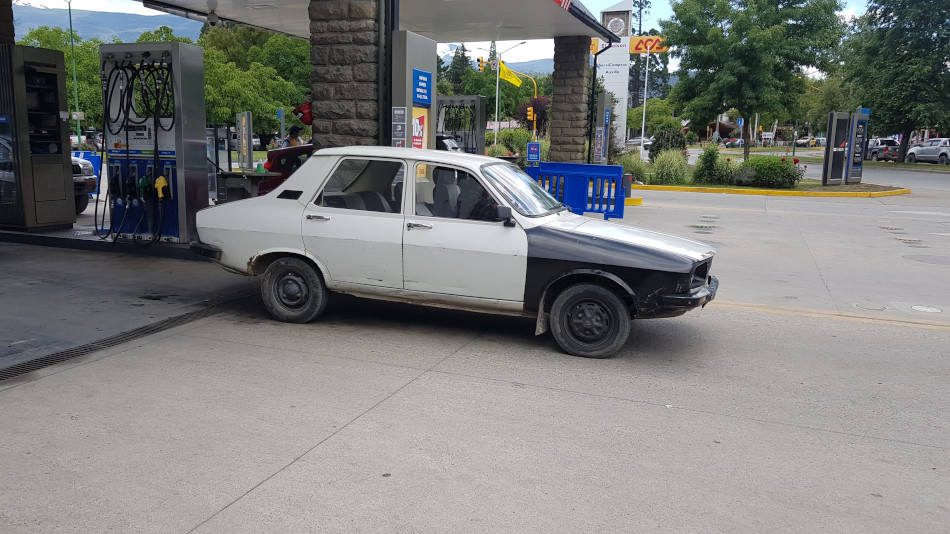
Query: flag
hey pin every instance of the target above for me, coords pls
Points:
(505, 74)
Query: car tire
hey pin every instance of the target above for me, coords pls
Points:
(590, 321)
(293, 291)
(911, 158)
(874, 156)
(82, 202)
(944, 160)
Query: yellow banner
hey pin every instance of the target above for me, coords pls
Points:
(643, 44)
(505, 74)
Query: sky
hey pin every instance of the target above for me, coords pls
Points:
(537, 49)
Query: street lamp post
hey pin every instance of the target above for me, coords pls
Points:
(72, 52)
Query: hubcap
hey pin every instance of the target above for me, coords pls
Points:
(292, 290)
(589, 321)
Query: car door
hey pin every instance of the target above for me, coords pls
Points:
(449, 246)
(354, 225)
(928, 152)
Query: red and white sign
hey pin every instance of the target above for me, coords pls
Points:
(418, 131)
(565, 4)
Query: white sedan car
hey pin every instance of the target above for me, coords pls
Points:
(449, 229)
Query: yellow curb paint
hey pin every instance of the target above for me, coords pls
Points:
(823, 314)
(637, 201)
(770, 192)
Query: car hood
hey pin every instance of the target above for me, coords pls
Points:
(570, 236)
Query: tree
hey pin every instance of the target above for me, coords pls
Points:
(659, 117)
(460, 65)
(659, 78)
(163, 34)
(747, 55)
(540, 106)
(898, 56)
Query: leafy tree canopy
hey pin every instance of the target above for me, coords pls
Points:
(748, 55)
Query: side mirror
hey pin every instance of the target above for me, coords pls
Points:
(504, 213)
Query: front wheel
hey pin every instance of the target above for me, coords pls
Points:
(911, 158)
(590, 321)
(874, 156)
(293, 291)
(944, 160)
(82, 202)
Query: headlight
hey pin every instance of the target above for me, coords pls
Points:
(87, 168)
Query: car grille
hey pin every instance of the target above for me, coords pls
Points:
(77, 170)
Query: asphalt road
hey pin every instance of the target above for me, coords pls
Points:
(810, 396)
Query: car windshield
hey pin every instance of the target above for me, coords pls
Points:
(520, 191)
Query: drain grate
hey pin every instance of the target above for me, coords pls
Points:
(23, 368)
(890, 228)
(908, 240)
(703, 226)
(709, 217)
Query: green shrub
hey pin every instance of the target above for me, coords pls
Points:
(692, 138)
(669, 168)
(772, 172)
(669, 139)
(708, 169)
(489, 138)
(496, 150)
(515, 139)
(633, 165)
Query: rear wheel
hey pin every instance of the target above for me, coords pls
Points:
(590, 321)
(944, 160)
(911, 158)
(293, 291)
(82, 202)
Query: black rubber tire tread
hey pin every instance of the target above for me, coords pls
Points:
(82, 202)
(944, 160)
(619, 320)
(874, 156)
(303, 275)
(911, 158)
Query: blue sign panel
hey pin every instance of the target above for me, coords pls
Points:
(606, 118)
(4, 119)
(534, 151)
(421, 87)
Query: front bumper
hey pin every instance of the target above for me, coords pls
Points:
(206, 250)
(697, 298)
(84, 185)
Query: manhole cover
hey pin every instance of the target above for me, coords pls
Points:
(926, 309)
(702, 226)
(926, 258)
(890, 228)
(908, 240)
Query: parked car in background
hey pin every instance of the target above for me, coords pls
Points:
(935, 150)
(453, 230)
(820, 141)
(735, 142)
(883, 149)
(805, 142)
(284, 161)
(84, 182)
(447, 142)
(255, 142)
(637, 141)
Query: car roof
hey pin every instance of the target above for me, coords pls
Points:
(459, 158)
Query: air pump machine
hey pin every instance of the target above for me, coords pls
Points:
(154, 127)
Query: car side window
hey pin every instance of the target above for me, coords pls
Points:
(364, 184)
(452, 193)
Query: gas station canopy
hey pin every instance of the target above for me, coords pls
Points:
(440, 20)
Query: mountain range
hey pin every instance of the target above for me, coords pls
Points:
(126, 28)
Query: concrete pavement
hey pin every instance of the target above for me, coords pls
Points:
(809, 397)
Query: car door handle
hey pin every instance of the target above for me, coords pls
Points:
(418, 225)
(318, 217)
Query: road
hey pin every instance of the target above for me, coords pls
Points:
(810, 396)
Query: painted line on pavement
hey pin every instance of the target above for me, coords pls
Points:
(770, 192)
(820, 314)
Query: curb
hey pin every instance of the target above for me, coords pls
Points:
(635, 201)
(770, 192)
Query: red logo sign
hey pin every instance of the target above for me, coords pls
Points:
(651, 43)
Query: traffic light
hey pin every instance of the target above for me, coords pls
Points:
(530, 113)
(481, 64)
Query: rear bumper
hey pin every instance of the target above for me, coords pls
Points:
(694, 299)
(206, 250)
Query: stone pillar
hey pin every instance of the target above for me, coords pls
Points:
(569, 103)
(344, 42)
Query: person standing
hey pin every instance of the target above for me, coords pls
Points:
(293, 137)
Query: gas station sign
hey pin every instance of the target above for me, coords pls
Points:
(648, 43)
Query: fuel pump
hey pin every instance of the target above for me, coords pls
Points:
(154, 138)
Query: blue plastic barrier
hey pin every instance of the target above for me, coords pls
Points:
(93, 158)
(582, 187)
